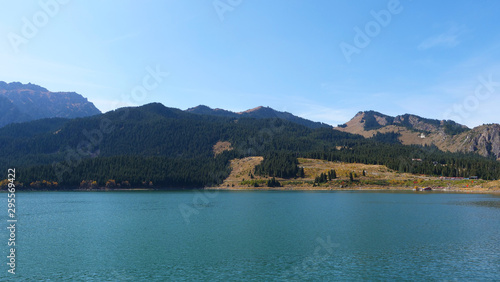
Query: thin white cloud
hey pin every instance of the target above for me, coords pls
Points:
(442, 40)
(28, 64)
(448, 39)
(121, 37)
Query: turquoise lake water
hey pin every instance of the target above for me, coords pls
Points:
(254, 236)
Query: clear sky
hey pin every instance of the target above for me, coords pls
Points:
(322, 60)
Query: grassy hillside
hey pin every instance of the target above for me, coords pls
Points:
(242, 177)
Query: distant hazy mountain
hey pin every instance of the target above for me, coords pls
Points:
(447, 135)
(25, 102)
(259, 113)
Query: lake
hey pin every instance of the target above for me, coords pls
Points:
(254, 235)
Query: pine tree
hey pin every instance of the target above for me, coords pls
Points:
(273, 183)
(301, 173)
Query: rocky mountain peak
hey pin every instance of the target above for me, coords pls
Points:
(447, 135)
(24, 102)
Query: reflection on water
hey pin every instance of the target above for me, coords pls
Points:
(486, 204)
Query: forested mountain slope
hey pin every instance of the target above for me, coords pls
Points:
(153, 145)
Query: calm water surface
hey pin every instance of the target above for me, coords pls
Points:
(149, 236)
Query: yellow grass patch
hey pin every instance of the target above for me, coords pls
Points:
(222, 146)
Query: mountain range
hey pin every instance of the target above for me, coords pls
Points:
(153, 145)
(414, 130)
(25, 102)
(411, 129)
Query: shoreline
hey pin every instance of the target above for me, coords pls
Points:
(360, 188)
(249, 189)
(473, 190)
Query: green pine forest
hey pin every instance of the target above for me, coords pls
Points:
(166, 148)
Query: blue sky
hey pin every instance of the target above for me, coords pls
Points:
(437, 59)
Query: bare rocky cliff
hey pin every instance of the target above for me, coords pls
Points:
(484, 140)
